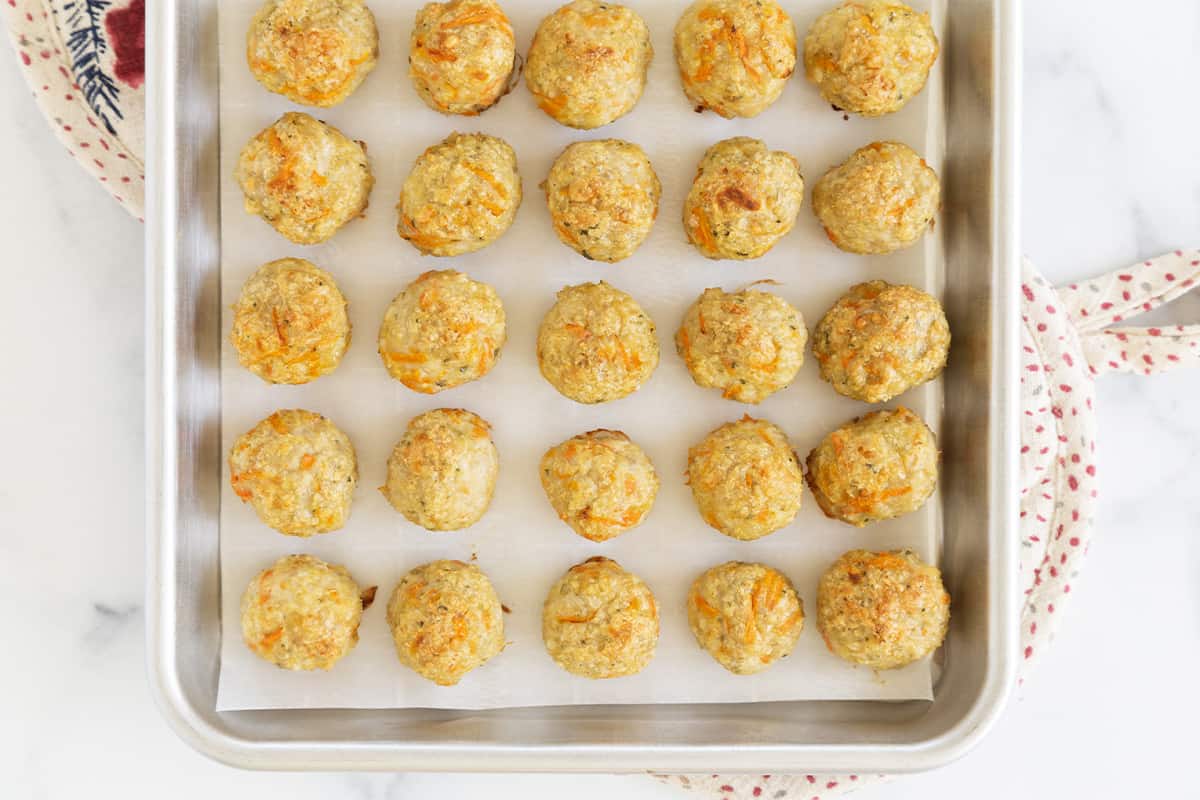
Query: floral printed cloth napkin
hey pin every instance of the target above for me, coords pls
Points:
(84, 61)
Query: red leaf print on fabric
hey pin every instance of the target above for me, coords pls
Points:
(127, 30)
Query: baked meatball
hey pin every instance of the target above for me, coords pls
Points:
(603, 198)
(596, 344)
(587, 63)
(442, 331)
(870, 58)
(301, 613)
(290, 323)
(298, 472)
(747, 616)
(304, 177)
(462, 56)
(880, 340)
(446, 620)
(735, 56)
(600, 621)
(600, 483)
(461, 195)
(879, 466)
(743, 200)
(745, 479)
(882, 610)
(442, 473)
(313, 52)
(882, 199)
(749, 344)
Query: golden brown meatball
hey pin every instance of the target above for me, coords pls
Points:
(587, 63)
(461, 195)
(879, 466)
(446, 620)
(442, 331)
(603, 198)
(748, 344)
(290, 323)
(313, 52)
(747, 616)
(745, 479)
(302, 614)
(882, 199)
(442, 473)
(462, 56)
(596, 344)
(600, 483)
(870, 58)
(735, 56)
(304, 177)
(882, 610)
(743, 200)
(880, 340)
(298, 472)
(600, 621)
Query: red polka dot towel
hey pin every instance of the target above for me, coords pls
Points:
(1071, 335)
(84, 61)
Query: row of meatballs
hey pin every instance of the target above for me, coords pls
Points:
(587, 64)
(882, 610)
(299, 472)
(307, 179)
(596, 343)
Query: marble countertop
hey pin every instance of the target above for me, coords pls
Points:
(1112, 174)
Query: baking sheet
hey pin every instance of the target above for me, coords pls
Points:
(520, 543)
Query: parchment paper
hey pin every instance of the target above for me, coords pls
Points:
(520, 543)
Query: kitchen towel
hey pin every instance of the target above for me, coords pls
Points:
(84, 61)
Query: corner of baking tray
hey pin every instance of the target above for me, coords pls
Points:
(189, 722)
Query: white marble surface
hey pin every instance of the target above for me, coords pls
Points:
(1112, 173)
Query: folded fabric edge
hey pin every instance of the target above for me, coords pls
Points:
(42, 60)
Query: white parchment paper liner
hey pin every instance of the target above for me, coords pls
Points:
(520, 543)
